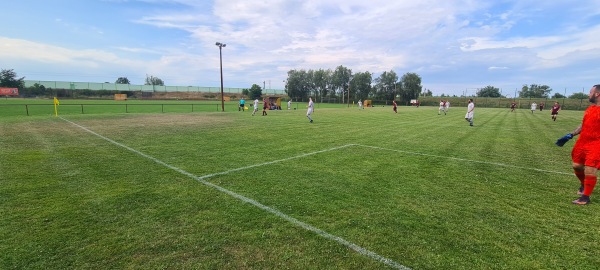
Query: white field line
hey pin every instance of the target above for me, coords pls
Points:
(358, 249)
(463, 159)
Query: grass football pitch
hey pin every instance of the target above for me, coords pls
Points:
(356, 189)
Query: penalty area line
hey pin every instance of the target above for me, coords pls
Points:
(306, 226)
(276, 161)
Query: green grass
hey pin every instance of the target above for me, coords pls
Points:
(423, 190)
(45, 107)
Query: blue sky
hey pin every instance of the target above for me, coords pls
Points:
(455, 46)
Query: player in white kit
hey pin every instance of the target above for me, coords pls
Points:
(311, 106)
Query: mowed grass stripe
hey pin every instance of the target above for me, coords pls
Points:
(426, 211)
(294, 221)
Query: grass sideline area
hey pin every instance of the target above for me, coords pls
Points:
(45, 107)
(421, 190)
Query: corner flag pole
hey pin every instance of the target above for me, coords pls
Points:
(56, 103)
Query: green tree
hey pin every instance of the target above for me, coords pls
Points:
(35, 90)
(535, 91)
(427, 93)
(360, 85)
(386, 85)
(320, 79)
(122, 80)
(340, 79)
(8, 78)
(151, 80)
(557, 96)
(310, 84)
(411, 86)
(254, 92)
(297, 85)
(579, 96)
(489, 91)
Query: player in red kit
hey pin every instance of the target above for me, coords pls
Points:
(265, 106)
(586, 151)
(395, 107)
(555, 110)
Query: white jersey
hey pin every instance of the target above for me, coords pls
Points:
(256, 104)
(311, 106)
(533, 106)
(470, 109)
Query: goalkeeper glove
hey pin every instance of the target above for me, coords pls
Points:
(564, 139)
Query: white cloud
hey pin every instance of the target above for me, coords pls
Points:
(265, 39)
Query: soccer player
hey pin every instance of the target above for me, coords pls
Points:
(360, 105)
(290, 104)
(555, 110)
(512, 106)
(255, 106)
(311, 106)
(395, 107)
(265, 106)
(533, 106)
(586, 151)
(442, 107)
(469, 115)
(447, 106)
(542, 106)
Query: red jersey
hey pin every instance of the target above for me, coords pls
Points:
(590, 129)
(555, 109)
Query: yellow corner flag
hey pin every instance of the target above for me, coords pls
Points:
(55, 104)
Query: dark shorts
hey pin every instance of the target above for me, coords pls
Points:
(554, 113)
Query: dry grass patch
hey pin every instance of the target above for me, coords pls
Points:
(154, 121)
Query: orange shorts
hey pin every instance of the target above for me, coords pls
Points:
(586, 156)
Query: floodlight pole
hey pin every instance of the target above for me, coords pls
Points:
(221, 45)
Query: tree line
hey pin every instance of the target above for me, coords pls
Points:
(337, 85)
(528, 91)
(342, 84)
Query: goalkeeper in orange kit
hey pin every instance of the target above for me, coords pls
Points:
(586, 151)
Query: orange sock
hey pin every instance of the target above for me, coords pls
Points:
(581, 176)
(590, 183)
